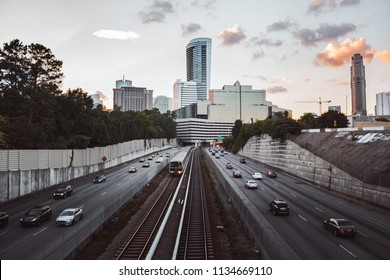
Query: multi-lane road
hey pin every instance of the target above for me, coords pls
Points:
(301, 230)
(309, 207)
(98, 201)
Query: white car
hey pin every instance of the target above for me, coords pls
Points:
(69, 216)
(257, 176)
(159, 160)
(251, 184)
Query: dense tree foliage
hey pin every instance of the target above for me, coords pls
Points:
(36, 114)
(332, 119)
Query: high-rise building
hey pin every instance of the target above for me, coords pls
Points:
(129, 98)
(358, 86)
(198, 55)
(163, 103)
(123, 83)
(184, 93)
(383, 104)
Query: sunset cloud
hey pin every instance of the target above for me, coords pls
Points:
(276, 89)
(319, 6)
(336, 55)
(232, 36)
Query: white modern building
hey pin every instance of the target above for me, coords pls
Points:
(240, 102)
(163, 103)
(383, 103)
(200, 131)
(184, 93)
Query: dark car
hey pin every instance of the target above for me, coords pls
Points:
(271, 174)
(243, 160)
(63, 192)
(340, 227)
(278, 206)
(3, 219)
(100, 179)
(36, 215)
(237, 174)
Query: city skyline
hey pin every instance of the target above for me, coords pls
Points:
(295, 50)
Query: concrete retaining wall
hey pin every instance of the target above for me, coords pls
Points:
(17, 183)
(293, 159)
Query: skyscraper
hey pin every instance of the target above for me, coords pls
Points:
(130, 98)
(358, 86)
(198, 55)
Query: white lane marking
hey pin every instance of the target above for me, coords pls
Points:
(293, 195)
(103, 193)
(262, 188)
(302, 218)
(349, 252)
(40, 231)
(319, 209)
(4, 232)
(362, 234)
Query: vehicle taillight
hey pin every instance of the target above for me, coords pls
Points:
(341, 229)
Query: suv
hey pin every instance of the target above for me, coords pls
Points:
(63, 192)
(279, 206)
(36, 215)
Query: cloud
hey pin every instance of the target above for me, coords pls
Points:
(232, 36)
(276, 89)
(156, 12)
(383, 55)
(281, 25)
(116, 34)
(319, 6)
(264, 41)
(326, 32)
(190, 28)
(208, 4)
(258, 54)
(335, 55)
(282, 80)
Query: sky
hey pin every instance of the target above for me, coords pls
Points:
(296, 50)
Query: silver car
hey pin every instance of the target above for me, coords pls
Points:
(251, 184)
(69, 216)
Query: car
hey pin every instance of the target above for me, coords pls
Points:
(3, 219)
(142, 159)
(237, 174)
(340, 227)
(69, 216)
(133, 169)
(100, 179)
(243, 160)
(257, 176)
(63, 192)
(279, 206)
(158, 160)
(167, 155)
(271, 174)
(36, 215)
(145, 164)
(150, 158)
(251, 184)
(217, 156)
(229, 165)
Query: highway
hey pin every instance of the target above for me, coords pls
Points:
(47, 241)
(309, 206)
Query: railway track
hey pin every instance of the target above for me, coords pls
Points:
(137, 245)
(196, 240)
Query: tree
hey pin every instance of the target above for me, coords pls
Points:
(308, 120)
(332, 119)
(236, 128)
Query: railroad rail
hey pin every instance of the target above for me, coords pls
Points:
(195, 240)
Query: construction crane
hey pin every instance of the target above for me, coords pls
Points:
(319, 102)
